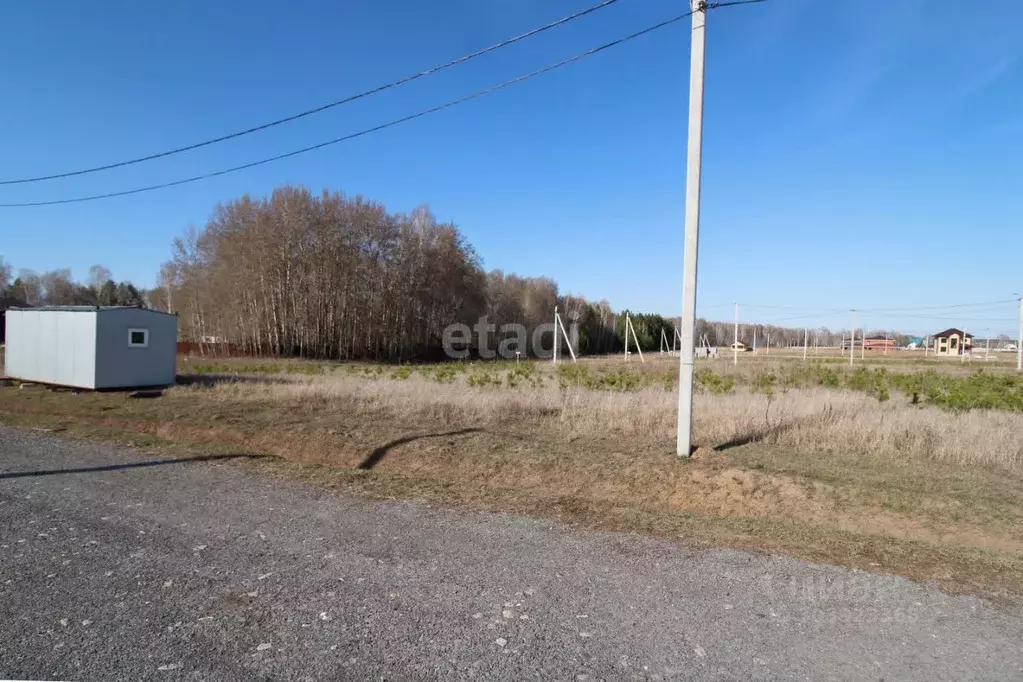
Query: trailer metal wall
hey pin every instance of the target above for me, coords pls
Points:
(51, 347)
(119, 365)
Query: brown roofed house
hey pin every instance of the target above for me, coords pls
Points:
(952, 342)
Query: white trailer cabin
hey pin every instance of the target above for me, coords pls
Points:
(92, 347)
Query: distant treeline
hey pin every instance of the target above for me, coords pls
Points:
(338, 276)
(56, 287)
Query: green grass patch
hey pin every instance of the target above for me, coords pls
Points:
(977, 390)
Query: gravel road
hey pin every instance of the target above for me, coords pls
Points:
(115, 565)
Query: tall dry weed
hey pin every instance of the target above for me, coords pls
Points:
(815, 420)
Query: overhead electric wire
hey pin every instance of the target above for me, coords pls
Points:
(836, 311)
(951, 318)
(389, 124)
(827, 315)
(824, 314)
(938, 307)
(321, 108)
(791, 308)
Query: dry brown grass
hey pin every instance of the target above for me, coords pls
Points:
(823, 474)
(827, 421)
(822, 421)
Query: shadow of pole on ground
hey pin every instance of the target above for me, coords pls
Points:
(127, 465)
(379, 453)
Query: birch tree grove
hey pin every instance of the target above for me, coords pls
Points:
(329, 276)
(337, 276)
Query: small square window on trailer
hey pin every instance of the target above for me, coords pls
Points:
(89, 347)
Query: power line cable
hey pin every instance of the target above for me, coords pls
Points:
(951, 317)
(823, 314)
(389, 124)
(945, 318)
(985, 304)
(790, 308)
(321, 108)
(937, 307)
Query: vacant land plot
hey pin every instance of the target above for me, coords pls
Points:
(899, 468)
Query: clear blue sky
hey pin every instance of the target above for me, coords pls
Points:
(852, 158)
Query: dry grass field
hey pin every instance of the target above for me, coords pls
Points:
(899, 465)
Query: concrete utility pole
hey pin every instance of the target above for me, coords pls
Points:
(806, 341)
(735, 344)
(626, 337)
(628, 328)
(692, 230)
(1019, 339)
(564, 334)
(555, 360)
(852, 340)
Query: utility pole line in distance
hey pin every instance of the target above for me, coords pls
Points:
(692, 229)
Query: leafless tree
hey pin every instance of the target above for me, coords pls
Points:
(6, 272)
(98, 276)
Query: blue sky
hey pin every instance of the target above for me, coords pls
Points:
(851, 158)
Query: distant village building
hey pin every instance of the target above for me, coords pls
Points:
(739, 346)
(878, 343)
(952, 342)
(869, 343)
